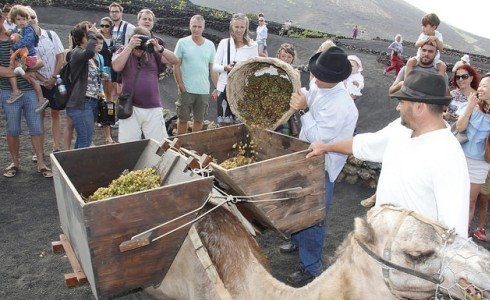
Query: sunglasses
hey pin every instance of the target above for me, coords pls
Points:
(464, 76)
(105, 25)
(261, 20)
(33, 17)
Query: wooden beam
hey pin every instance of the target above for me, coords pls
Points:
(77, 269)
(57, 247)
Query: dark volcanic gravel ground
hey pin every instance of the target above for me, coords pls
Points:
(29, 218)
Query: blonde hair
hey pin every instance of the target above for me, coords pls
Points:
(246, 35)
(108, 20)
(197, 18)
(18, 10)
(326, 45)
(401, 38)
(146, 11)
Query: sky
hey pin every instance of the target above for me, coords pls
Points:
(469, 15)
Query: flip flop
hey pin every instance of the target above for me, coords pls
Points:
(11, 171)
(34, 158)
(46, 172)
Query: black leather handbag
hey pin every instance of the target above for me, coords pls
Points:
(125, 102)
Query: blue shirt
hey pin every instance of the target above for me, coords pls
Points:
(477, 131)
(195, 61)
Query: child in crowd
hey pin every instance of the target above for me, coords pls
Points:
(24, 49)
(430, 22)
(355, 83)
(9, 26)
(103, 118)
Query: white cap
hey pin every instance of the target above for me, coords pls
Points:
(466, 58)
(357, 60)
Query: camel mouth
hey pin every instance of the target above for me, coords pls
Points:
(472, 291)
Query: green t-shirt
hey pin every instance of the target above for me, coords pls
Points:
(195, 64)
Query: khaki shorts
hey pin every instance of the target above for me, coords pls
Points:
(188, 103)
(485, 188)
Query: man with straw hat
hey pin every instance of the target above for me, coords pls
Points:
(424, 167)
(328, 114)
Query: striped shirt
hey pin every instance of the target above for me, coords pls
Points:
(47, 50)
(5, 62)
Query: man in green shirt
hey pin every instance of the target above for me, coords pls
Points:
(196, 55)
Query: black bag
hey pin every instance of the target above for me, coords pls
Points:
(62, 99)
(125, 102)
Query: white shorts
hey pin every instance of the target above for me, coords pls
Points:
(478, 170)
(146, 121)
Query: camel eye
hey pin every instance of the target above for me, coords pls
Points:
(418, 256)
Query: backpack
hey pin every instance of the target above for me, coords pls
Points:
(60, 100)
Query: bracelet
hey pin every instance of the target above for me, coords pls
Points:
(161, 51)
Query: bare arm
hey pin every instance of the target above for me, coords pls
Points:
(121, 58)
(419, 43)
(178, 77)
(464, 119)
(214, 75)
(6, 72)
(168, 57)
(320, 148)
(396, 86)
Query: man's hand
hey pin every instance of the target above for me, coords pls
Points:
(298, 101)
(182, 88)
(229, 67)
(49, 83)
(93, 28)
(156, 45)
(472, 100)
(214, 95)
(134, 42)
(317, 149)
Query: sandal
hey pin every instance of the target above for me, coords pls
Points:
(46, 172)
(11, 171)
(34, 158)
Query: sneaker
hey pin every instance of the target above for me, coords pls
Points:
(19, 71)
(43, 106)
(14, 96)
(480, 234)
(369, 202)
(300, 278)
(288, 248)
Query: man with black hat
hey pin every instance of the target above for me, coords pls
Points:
(328, 114)
(424, 167)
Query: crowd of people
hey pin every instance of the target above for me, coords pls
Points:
(425, 167)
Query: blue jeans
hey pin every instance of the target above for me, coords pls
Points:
(83, 121)
(310, 240)
(25, 105)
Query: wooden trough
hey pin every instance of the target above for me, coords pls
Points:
(281, 165)
(100, 232)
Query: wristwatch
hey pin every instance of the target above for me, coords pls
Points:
(303, 111)
(161, 51)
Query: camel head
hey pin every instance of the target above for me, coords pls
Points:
(432, 258)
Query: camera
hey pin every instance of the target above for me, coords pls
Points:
(145, 45)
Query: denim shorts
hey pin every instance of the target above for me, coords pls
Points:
(25, 105)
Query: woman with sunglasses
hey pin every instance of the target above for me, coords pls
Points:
(465, 81)
(106, 32)
(476, 122)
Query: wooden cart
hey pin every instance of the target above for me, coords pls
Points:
(97, 230)
(282, 165)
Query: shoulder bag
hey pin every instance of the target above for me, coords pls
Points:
(125, 102)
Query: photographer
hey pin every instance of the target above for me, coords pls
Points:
(146, 55)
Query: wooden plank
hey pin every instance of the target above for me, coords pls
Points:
(135, 243)
(165, 166)
(71, 280)
(77, 268)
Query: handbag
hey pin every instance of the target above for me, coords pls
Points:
(487, 150)
(125, 102)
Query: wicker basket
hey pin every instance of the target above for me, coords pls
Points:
(237, 82)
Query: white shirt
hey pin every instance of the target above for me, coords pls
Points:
(236, 55)
(9, 26)
(262, 34)
(332, 116)
(349, 84)
(426, 174)
(47, 50)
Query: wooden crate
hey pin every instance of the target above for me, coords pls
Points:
(282, 164)
(97, 229)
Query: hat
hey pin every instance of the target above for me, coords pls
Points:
(357, 60)
(330, 65)
(421, 86)
(466, 58)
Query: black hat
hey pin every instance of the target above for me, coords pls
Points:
(331, 65)
(421, 86)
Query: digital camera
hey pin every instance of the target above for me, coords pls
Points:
(145, 45)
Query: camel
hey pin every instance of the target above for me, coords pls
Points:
(416, 243)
